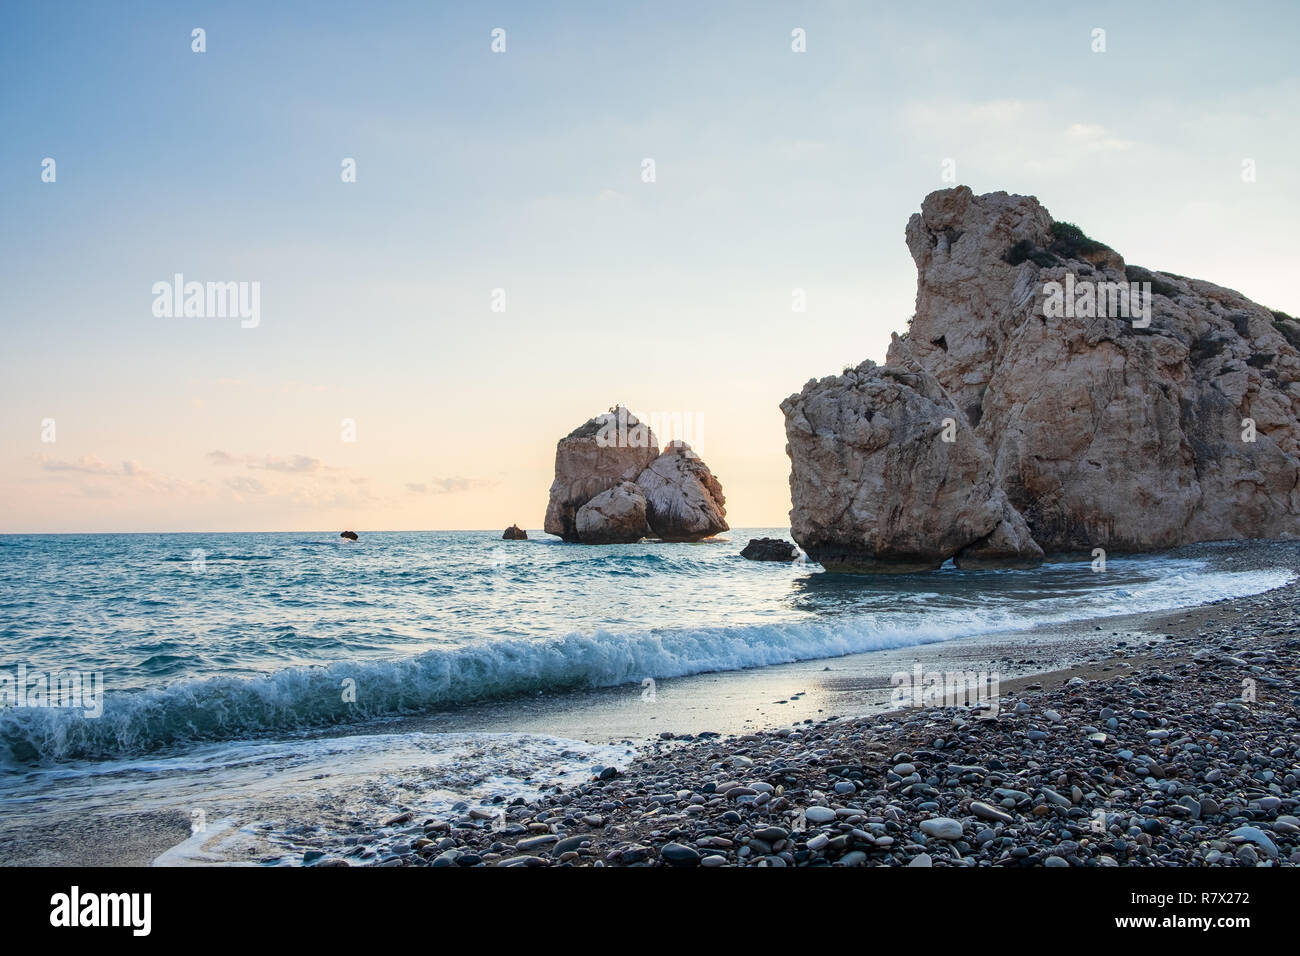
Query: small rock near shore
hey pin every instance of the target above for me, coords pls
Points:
(769, 549)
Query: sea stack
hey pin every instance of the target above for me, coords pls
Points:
(1084, 402)
(613, 486)
(514, 533)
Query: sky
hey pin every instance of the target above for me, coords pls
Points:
(517, 179)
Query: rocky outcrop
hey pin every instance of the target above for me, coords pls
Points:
(1112, 418)
(606, 451)
(888, 476)
(769, 549)
(615, 516)
(515, 533)
(1009, 545)
(684, 502)
(680, 499)
(349, 535)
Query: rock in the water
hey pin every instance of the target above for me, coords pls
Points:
(684, 501)
(1098, 404)
(350, 535)
(616, 516)
(769, 549)
(608, 450)
(515, 533)
(887, 475)
(1107, 431)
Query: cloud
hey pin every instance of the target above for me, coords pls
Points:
(292, 464)
(448, 486)
(86, 465)
(246, 487)
(1095, 138)
(1011, 134)
(132, 475)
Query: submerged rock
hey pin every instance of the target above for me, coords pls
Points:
(515, 533)
(769, 549)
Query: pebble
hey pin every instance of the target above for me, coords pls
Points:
(679, 855)
(943, 828)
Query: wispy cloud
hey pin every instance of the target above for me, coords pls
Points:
(131, 474)
(448, 486)
(291, 464)
(86, 465)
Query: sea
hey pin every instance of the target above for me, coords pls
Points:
(265, 684)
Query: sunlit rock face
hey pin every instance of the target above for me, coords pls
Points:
(680, 498)
(1121, 408)
(876, 485)
(684, 501)
(615, 516)
(604, 452)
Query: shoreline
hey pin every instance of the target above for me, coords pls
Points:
(1186, 772)
(762, 714)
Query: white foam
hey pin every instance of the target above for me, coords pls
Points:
(226, 708)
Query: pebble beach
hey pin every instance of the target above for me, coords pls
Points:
(1184, 751)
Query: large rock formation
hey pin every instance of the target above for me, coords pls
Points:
(684, 502)
(607, 451)
(1107, 424)
(888, 476)
(679, 498)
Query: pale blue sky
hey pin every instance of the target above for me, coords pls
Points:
(522, 170)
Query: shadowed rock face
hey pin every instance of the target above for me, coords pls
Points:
(684, 502)
(769, 549)
(681, 500)
(1101, 432)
